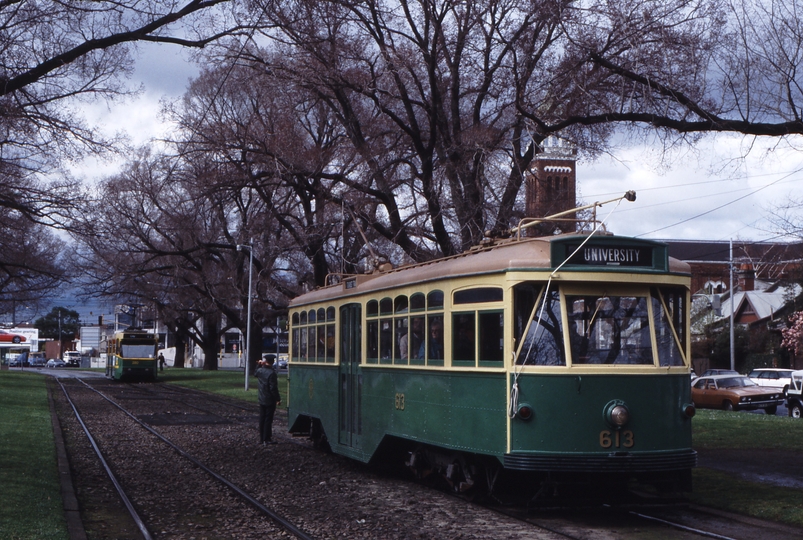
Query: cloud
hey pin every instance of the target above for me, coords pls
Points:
(723, 189)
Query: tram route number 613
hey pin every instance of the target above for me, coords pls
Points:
(616, 439)
(399, 402)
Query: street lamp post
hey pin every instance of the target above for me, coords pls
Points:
(247, 347)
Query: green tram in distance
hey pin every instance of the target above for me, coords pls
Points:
(131, 355)
(548, 365)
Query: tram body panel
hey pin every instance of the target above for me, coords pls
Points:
(459, 411)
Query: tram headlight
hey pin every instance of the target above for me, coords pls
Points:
(617, 414)
(525, 412)
(689, 410)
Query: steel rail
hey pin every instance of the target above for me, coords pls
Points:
(120, 491)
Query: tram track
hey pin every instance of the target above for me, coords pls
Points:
(650, 521)
(242, 493)
(323, 495)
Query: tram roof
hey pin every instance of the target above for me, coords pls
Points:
(507, 255)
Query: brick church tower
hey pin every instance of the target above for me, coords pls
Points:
(552, 186)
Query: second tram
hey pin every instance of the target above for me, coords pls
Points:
(131, 354)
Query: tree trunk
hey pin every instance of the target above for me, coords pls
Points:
(211, 342)
(181, 348)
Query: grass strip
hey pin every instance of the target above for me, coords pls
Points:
(714, 430)
(30, 497)
(222, 382)
(721, 490)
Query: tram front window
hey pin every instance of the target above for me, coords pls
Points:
(137, 351)
(609, 330)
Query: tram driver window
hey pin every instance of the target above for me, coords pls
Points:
(609, 330)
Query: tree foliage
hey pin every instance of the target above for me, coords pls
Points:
(61, 323)
(793, 334)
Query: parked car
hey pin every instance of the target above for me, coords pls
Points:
(794, 396)
(72, 358)
(37, 359)
(709, 372)
(55, 363)
(734, 393)
(779, 378)
(8, 337)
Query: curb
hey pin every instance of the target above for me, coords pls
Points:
(72, 514)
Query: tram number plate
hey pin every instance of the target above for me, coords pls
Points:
(616, 439)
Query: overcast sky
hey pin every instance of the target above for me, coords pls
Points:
(706, 193)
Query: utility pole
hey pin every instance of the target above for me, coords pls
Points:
(733, 300)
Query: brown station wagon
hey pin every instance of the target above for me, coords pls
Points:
(734, 393)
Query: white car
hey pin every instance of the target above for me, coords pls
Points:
(794, 397)
(778, 378)
(55, 363)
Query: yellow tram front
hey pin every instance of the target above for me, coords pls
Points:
(131, 354)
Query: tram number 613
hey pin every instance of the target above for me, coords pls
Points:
(399, 402)
(616, 439)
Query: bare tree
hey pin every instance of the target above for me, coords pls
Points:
(53, 56)
(160, 235)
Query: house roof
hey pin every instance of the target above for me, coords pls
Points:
(764, 303)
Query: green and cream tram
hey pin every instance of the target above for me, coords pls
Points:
(562, 359)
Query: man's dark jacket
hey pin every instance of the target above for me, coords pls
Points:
(268, 386)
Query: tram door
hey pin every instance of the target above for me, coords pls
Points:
(350, 376)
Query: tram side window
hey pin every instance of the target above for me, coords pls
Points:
(609, 330)
(330, 343)
(385, 341)
(417, 338)
(401, 341)
(433, 346)
(463, 339)
(543, 343)
(373, 341)
(303, 353)
(312, 355)
(491, 342)
(321, 343)
(668, 351)
(296, 345)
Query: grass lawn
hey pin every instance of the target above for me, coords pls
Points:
(30, 494)
(720, 430)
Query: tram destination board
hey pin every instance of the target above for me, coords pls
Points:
(611, 252)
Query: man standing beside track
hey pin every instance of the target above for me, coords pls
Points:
(269, 397)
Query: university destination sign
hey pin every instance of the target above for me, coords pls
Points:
(611, 255)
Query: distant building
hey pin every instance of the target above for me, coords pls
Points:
(551, 187)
